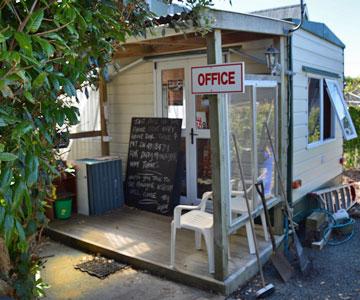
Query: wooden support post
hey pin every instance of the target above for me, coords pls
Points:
(219, 162)
(105, 147)
(282, 133)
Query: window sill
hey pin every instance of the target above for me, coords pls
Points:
(320, 143)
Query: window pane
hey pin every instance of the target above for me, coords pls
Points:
(342, 112)
(240, 115)
(202, 112)
(314, 114)
(265, 115)
(172, 82)
(203, 166)
(328, 116)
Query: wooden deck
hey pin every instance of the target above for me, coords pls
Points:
(142, 239)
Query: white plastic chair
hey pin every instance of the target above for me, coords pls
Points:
(199, 221)
(238, 206)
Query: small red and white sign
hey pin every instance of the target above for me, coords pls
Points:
(217, 79)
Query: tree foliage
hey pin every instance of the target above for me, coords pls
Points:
(48, 50)
(352, 147)
(352, 85)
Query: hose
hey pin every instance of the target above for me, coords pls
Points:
(334, 225)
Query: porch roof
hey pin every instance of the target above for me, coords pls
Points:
(236, 27)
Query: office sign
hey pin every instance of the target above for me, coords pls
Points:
(217, 79)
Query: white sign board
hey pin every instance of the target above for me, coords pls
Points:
(216, 79)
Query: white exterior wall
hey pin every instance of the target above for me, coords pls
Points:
(130, 94)
(89, 109)
(313, 166)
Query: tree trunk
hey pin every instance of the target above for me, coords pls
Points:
(5, 264)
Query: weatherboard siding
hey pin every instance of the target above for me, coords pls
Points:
(130, 94)
(314, 166)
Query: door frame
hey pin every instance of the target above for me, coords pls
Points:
(190, 117)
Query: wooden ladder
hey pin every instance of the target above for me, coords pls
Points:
(335, 198)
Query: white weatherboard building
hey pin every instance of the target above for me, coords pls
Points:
(298, 96)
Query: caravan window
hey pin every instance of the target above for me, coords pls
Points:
(342, 112)
(320, 112)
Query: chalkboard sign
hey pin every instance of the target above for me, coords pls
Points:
(153, 165)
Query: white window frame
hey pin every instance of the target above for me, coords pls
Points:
(321, 141)
(341, 105)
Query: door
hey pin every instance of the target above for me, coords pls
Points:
(174, 100)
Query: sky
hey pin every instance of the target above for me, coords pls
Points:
(341, 16)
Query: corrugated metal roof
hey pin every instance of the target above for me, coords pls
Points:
(166, 19)
(316, 28)
(320, 30)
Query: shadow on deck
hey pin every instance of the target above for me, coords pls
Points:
(142, 240)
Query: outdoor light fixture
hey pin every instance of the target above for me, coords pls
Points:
(272, 60)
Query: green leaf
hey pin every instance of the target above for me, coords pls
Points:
(35, 21)
(22, 75)
(45, 45)
(69, 88)
(9, 222)
(5, 177)
(2, 122)
(55, 84)
(2, 38)
(18, 195)
(30, 60)
(5, 90)
(28, 204)
(2, 215)
(39, 80)
(31, 228)
(2, 147)
(29, 97)
(32, 169)
(7, 156)
(20, 230)
(21, 129)
(24, 41)
(72, 114)
(8, 228)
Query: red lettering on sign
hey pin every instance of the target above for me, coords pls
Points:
(201, 79)
(207, 78)
(222, 78)
(231, 77)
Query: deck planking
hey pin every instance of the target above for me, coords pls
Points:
(145, 236)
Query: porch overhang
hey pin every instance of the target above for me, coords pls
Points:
(235, 27)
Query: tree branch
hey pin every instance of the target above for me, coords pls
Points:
(23, 23)
(11, 6)
(52, 30)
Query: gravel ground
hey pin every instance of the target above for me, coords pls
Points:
(335, 275)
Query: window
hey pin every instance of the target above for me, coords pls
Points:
(320, 112)
(314, 110)
(337, 99)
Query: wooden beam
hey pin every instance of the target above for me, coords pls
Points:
(182, 43)
(84, 134)
(226, 20)
(105, 147)
(282, 132)
(219, 163)
(189, 39)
